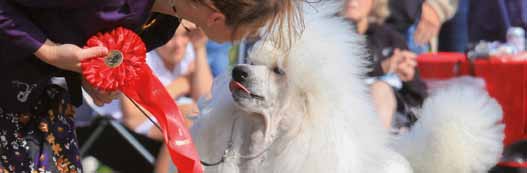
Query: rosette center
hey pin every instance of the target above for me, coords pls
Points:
(114, 58)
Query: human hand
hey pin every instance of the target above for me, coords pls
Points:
(99, 97)
(406, 67)
(389, 65)
(402, 63)
(197, 38)
(67, 56)
(428, 26)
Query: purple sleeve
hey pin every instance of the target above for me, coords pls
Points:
(18, 29)
(51, 3)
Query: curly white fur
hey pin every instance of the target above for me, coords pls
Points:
(325, 121)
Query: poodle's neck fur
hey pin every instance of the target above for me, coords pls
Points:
(263, 133)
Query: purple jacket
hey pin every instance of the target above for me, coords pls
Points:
(26, 24)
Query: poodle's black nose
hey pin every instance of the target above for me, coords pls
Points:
(239, 73)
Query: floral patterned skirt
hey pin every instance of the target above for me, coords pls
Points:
(42, 140)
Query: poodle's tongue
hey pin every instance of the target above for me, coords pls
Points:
(233, 85)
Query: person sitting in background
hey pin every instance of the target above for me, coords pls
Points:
(183, 69)
(391, 61)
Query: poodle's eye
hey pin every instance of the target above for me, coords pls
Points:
(278, 71)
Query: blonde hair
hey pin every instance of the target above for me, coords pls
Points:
(379, 12)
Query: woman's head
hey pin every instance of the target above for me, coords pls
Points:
(228, 20)
(375, 11)
(174, 50)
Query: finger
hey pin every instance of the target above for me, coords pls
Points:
(98, 102)
(399, 59)
(105, 97)
(93, 52)
(114, 95)
(188, 25)
(97, 99)
(409, 54)
(412, 64)
(396, 57)
(397, 51)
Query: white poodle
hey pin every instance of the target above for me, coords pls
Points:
(309, 110)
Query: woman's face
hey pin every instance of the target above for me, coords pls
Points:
(206, 17)
(174, 50)
(357, 10)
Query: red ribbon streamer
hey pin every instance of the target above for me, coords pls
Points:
(134, 78)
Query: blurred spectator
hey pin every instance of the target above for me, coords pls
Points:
(434, 13)
(391, 61)
(453, 36)
(184, 71)
(420, 20)
(218, 56)
(489, 20)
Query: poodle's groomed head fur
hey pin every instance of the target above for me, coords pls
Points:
(259, 87)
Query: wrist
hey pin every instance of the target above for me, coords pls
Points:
(199, 48)
(45, 51)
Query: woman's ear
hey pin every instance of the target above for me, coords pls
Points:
(216, 18)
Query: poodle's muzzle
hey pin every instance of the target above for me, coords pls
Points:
(241, 83)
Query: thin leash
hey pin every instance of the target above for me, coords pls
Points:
(158, 127)
(228, 150)
(144, 113)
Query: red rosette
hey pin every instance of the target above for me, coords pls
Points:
(125, 69)
(121, 66)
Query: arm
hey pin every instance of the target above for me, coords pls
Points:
(201, 77)
(434, 14)
(51, 3)
(444, 9)
(19, 29)
(16, 27)
(133, 117)
(179, 87)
